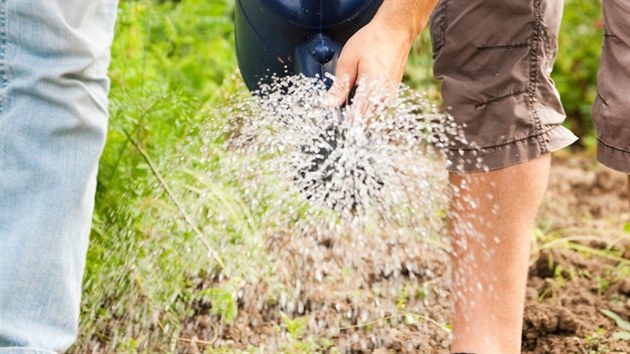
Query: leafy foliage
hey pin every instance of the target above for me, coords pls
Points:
(146, 258)
(223, 303)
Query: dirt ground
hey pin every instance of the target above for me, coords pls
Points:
(394, 298)
(568, 286)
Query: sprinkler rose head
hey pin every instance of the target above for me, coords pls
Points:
(278, 38)
(334, 171)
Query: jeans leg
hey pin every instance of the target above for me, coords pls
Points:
(54, 56)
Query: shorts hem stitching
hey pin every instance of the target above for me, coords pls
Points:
(612, 157)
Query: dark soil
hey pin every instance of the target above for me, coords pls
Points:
(391, 296)
(567, 288)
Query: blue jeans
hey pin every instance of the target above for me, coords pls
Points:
(54, 56)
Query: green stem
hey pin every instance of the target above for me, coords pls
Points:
(178, 204)
(421, 317)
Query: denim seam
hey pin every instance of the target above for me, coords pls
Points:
(4, 68)
(542, 134)
(535, 41)
(25, 350)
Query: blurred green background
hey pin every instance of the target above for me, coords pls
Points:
(172, 62)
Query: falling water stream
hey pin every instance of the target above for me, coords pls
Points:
(359, 195)
(290, 225)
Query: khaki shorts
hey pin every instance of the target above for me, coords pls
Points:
(495, 57)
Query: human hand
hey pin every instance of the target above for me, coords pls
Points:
(375, 57)
(374, 61)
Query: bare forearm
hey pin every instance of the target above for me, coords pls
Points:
(390, 35)
(409, 17)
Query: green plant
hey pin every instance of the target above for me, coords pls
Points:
(152, 245)
(402, 298)
(624, 326)
(296, 327)
(222, 303)
(574, 238)
(594, 343)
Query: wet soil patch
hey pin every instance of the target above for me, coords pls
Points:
(391, 294)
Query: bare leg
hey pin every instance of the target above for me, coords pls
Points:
(491, 228)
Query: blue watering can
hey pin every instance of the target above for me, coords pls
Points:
(289, 37)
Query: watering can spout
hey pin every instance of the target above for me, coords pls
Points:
(289, 37)
(317, 58)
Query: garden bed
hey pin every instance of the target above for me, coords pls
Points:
(395, 299)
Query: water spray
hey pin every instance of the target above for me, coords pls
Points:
(281, 38)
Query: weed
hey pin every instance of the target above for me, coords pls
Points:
(146, 257)
(624, 326)
(402, 298)
(574, 239)
(594, 343)
(296, 328)
(222, 303)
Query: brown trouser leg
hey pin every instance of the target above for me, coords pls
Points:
(611, 111)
